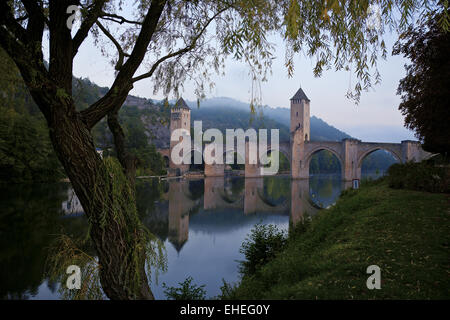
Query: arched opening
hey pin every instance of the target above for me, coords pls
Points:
(284, 166)
(233, 189)
(238, 162)
(324, 162)
(196, 167)
(375, 163)
(196, 189)
(276, 191)
(166, 162)
(306, 137)
(325, 175)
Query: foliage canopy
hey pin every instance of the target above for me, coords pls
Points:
(425, 89)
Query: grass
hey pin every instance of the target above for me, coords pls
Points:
(406, 233)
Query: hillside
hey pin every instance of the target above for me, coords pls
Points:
(229, 113)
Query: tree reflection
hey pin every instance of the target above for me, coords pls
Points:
(28, 216)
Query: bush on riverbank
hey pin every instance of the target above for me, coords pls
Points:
(422, 176)
(404, 232)
(186, 291)
(264, 242)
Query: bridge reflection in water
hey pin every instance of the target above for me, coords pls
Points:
(204, 222)
(247, 196)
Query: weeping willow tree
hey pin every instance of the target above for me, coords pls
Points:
(171, 41)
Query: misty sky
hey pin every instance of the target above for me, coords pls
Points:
(376, 118)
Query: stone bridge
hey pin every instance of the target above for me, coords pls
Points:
(351, 153)
(299, 150)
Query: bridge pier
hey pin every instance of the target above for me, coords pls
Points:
(251, 194)
(214, 170)
(252, 169)
(213, 187)
(350, 152)
(412, 151)
(178, 170)
(299, 167)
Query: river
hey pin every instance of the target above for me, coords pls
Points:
(202, 224)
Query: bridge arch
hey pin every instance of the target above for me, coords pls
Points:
(365, 153)
(283, 152)
(282, 202)
(196, 166)
(166, 160)
(190, 155)
(236, 157)
(230, 196)
(310, 154)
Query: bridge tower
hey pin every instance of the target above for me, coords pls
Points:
(300, 113)
(300, 132)
(180, 118)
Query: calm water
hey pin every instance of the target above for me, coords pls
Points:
(202, 224)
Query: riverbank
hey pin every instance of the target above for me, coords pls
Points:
(406, 233)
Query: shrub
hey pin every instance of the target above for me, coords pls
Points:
(186, 291)
(420, 176)
(264, 242)
(227, 291)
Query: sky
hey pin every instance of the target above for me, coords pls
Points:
(376, 118)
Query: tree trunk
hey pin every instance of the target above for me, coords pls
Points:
(109, 203)
(127, 160)
(102, 186)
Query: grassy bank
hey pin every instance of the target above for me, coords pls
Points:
(406, 233)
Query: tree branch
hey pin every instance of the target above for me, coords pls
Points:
(7, 19)
(122, 85)
(86, 25)
(19, 19)
(126, 159)
(113, 17)
(35, 25)
(122, 54)
(181, 51)
(61, 45)
(32, 70)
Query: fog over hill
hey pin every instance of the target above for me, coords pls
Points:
(224, 111)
